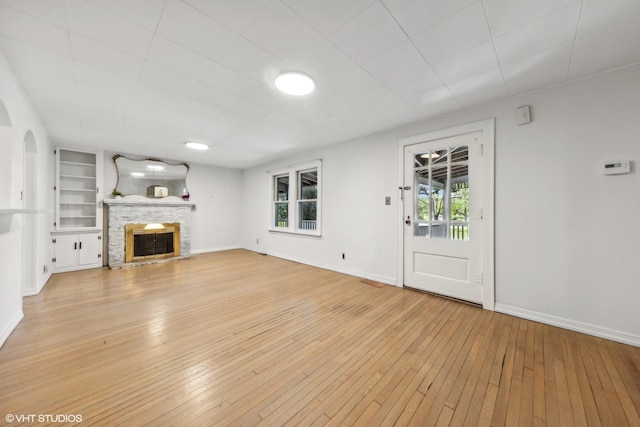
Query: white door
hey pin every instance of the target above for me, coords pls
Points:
(442, 196)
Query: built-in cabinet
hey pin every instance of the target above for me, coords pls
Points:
(77, 251)
(77, 239)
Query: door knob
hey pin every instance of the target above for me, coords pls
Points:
(408, 220)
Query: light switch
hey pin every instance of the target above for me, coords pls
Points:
(387, 200)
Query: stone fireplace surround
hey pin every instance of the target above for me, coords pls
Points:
(143, 210)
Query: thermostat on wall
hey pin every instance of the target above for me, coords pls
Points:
(616, 167)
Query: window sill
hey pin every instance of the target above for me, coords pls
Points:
(296, 233)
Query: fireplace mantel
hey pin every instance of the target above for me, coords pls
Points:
(143, 210)
(146, 201)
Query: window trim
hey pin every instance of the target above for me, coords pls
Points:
(293, 202)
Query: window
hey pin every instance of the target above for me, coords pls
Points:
(442, 193)
(296, 199)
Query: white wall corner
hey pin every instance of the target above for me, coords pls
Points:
(9, 327)
(572, 325)
(41, 285)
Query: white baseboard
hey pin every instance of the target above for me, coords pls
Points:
(207, 250)
(348, 271)
(7, 329)
(41, 285)
(572, 325)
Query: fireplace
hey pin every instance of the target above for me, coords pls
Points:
(145, 242)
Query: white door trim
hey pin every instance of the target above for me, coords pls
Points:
(487, 128)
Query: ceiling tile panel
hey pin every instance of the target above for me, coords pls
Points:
(191, 116)
(608, 36)
(508, 15)
(416, 16)
(355, 83)
(237, 15)
(25, 28)
(480, 88)
(281, 32)
(213, 96)
(251, 60)
(432, 102)
(396, 63)
(540, 70)
(223, 77)
(105, 79)
(468, 63)
(153, 103)
(454, 35)
(420, 81)
(94, 99)
(267, 96)
(51, 11)
(145, 13)
(167, 79)
(104, 57)
(541, 34)
(22, 54)
(324, 62)
(193, 30)
(106, 28)
(48, 89)
(369, 34)
(179, 59)
(328, 15)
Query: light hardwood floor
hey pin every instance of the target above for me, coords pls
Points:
(237, 338)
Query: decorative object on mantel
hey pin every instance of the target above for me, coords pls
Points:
(152, 178)
(116, 194)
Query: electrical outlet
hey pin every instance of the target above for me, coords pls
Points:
(45, 269)
(257, 241)
(387, 200)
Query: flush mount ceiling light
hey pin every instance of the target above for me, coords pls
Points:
(432, 155)
(295, 83)
(137, 174)
(196, 145)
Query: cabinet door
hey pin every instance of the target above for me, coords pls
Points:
(90, 249)
(66, 250)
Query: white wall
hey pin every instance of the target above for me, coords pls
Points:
(216, 221)
(23, 119)
(565, 235)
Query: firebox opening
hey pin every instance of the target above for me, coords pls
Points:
(151, 241)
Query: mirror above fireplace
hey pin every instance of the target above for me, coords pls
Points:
(150, 177)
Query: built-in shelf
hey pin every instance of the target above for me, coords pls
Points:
(77, 203)
(77, 177)
(64, 162)
(77, 189)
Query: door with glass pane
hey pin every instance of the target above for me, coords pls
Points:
(442, 234)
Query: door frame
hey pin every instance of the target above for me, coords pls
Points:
(487, 129)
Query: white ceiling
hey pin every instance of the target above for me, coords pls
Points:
(143, 76)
